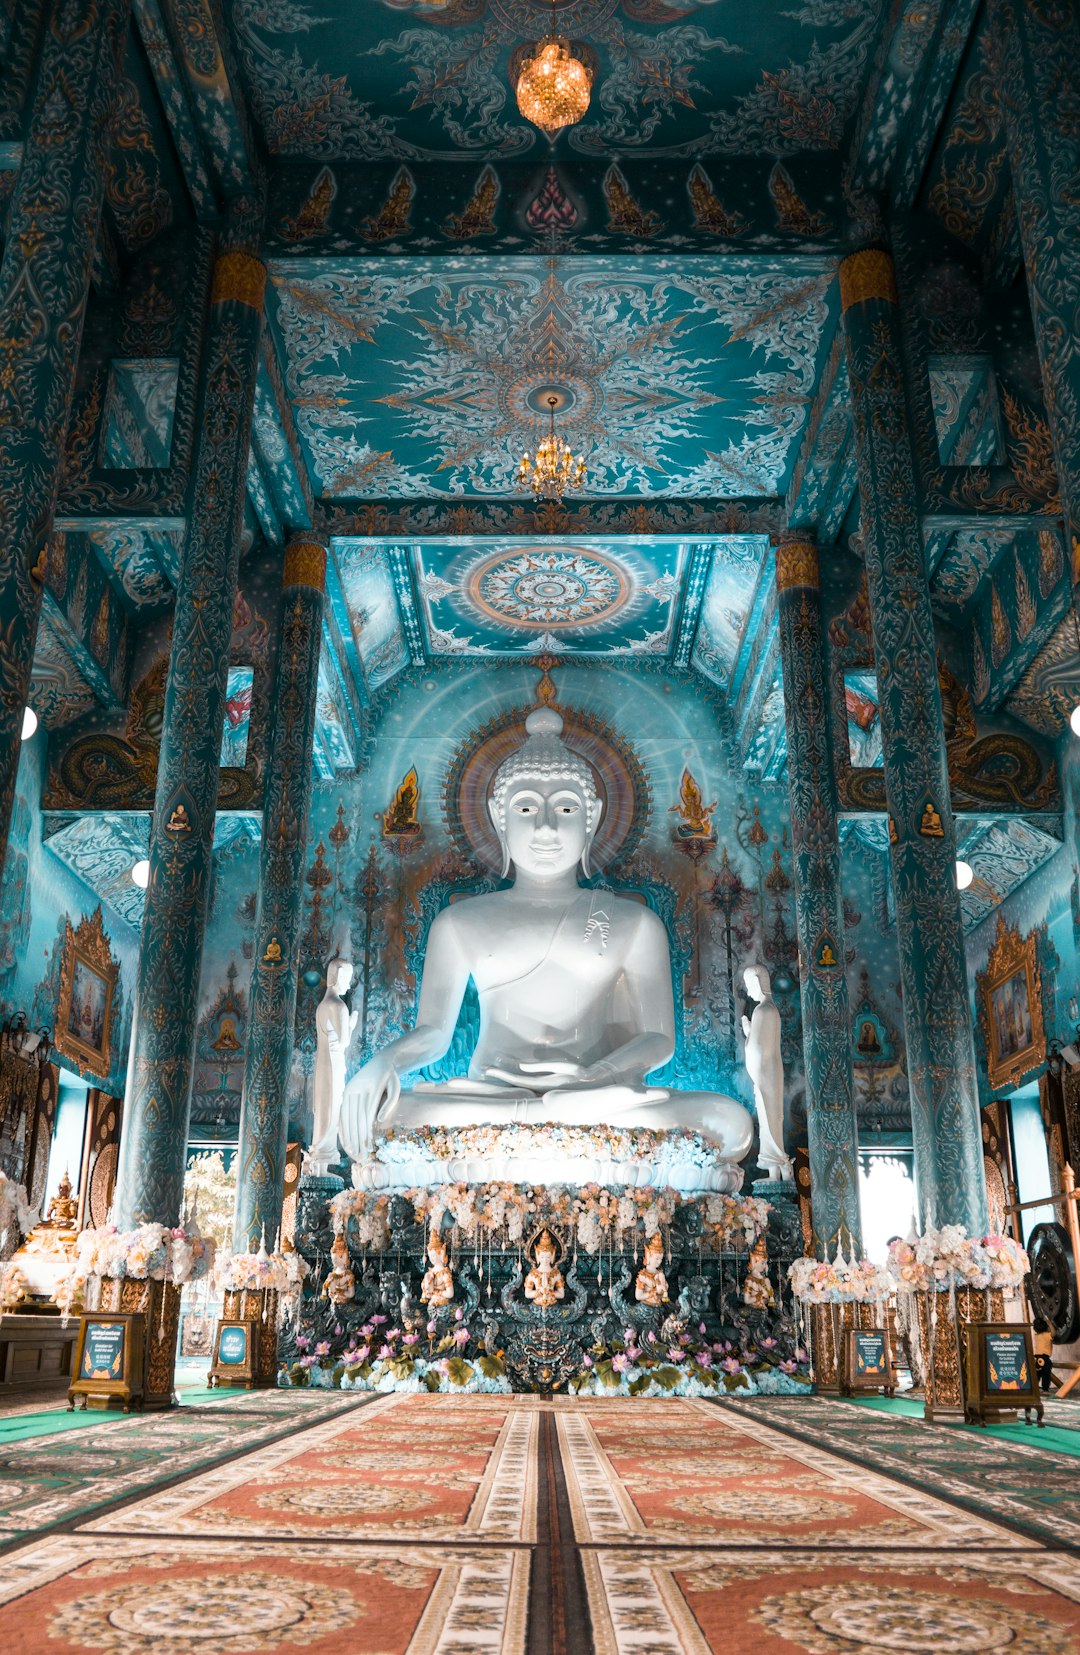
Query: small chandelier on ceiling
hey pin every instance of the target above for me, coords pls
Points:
(553, 86)
(553, 469)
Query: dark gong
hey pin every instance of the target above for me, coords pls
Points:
(1052, 1282)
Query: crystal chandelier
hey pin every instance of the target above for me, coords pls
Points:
(553, 86)
(553, 469)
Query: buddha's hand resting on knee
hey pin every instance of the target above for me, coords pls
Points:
(370, 1096)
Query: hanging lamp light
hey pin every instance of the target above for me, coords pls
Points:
(552, 470)
(553, 85)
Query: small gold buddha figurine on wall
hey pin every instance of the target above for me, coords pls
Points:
(437, 1287)
(757, 1288)
(544, 1284)
(651, 1285)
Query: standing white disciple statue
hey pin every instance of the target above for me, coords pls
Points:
(765, 1066)
(574, 986)
(334, 1026)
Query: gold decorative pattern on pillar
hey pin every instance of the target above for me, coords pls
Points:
(796, 564)
(305, 565)
(241, 277)
(868, 274)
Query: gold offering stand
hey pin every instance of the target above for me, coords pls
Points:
(256, 1366)
(830, 1325)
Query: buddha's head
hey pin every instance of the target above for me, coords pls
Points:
(758, 984)
(544, 803)
(545, 1250)
(339, 976)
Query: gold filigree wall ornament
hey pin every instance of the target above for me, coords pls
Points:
(1010, 1006)
(88, 978)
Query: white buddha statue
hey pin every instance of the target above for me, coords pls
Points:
(334, 1028)
(765, 1066)
(574, 986)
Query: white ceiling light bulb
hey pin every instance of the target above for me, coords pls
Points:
(1074, 719)
(965, 873)
(140, 873)
(29, 722)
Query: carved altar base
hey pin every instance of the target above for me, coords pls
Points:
(542, 1347)
(828, 1325)
(159, 1302)
(260, 1306)
(940, 1326)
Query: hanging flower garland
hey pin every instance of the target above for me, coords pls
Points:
(151, 1252)
(500, 1213)
(944, 1259)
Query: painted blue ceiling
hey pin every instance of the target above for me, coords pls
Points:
(430, 377)
(431, 79)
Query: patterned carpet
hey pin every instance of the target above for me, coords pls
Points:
(485, 1525)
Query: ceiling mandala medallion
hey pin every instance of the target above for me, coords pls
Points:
(549, 589)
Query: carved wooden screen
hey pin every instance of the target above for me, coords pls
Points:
(101, 1153)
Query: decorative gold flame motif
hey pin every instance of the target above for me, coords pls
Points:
(553, 469)
(554, 86)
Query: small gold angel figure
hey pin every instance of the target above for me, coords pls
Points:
(340, 1285)
(437, 1287)
(544, 1285)
(757, 1288)
(651, 1284)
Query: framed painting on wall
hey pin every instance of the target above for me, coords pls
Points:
(87, 985)
(1012, 1008)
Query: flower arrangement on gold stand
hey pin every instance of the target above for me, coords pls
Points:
(945, 1279)
(832, 1296)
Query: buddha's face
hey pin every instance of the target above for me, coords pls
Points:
(547, 826)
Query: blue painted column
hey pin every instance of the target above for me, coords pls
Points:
(1039, 55)
(153, 1145)
(51, 232)
(264, 1117)
(831, 1121)
(937, 1011)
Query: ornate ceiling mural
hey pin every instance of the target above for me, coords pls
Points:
(550, 596)
(431, 79)
(432, 377)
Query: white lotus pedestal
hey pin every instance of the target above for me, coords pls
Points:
(829, 1323)
(159, 1303)
(939, 1325)
(258, 1307)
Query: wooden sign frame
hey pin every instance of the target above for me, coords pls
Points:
(229, 1372)
(123, 1382)
(851, 1380)
(985, 1401)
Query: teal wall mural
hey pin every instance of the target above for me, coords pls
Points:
(40, 895)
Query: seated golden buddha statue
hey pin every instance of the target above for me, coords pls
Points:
(574, 985)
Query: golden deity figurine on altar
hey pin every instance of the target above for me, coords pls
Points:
(437, 1287)
(544, 1284)
(651, 1286)
(340, 1285)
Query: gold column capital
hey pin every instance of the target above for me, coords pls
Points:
(305, 564)
(796, 561)
(238, 276)
(868, 274)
